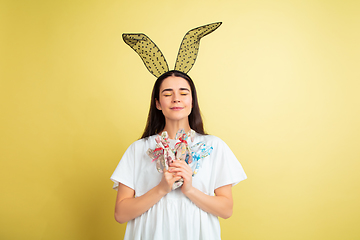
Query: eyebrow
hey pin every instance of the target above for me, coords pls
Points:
(170, 89)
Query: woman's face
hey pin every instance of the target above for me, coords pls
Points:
(175, 99)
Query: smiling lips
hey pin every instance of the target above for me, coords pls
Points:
(176, 108)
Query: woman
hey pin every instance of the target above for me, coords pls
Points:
(145, 198)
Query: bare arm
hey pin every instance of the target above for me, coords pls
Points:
(219, 205)
(128, 207)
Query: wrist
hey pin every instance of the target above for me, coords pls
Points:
(160, 191)
(189, 192)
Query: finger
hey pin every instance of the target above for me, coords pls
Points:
(171, 169)
(180, 164)
(177, 163)
(168, 175)
(172, 174)
(180, 172)
(185, 166)
(174, 180)
(183, 174)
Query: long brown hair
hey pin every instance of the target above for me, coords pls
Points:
(156, 120)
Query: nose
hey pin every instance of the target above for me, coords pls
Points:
(176, 98)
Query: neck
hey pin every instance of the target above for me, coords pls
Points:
(173, 127)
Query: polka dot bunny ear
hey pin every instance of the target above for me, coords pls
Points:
(190, 46)
(153, 58)
(151, 55)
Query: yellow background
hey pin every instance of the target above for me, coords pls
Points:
(278, 82)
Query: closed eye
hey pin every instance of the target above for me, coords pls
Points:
(184, 91)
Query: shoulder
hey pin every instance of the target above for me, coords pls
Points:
(142, 143)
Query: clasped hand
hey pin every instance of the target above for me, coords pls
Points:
(177, 170)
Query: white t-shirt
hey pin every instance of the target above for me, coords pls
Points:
(175, 217)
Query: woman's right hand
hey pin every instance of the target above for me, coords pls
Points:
(167, 182)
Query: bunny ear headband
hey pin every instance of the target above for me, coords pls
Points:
(155, 61)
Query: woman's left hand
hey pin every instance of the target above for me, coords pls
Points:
(182, 169)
